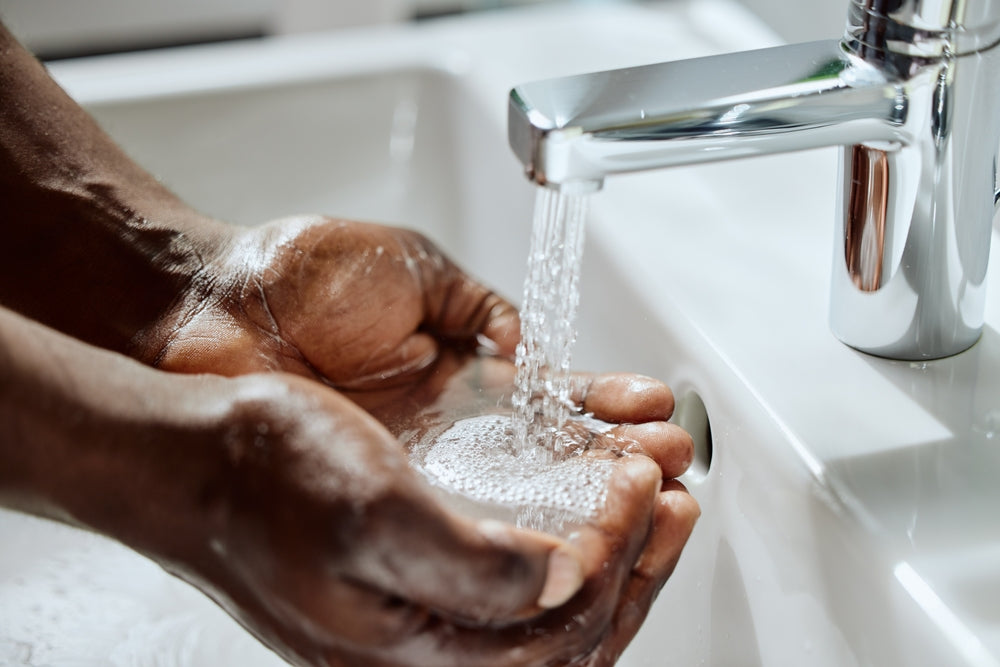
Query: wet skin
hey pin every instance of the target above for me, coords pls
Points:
(253, 450)
(396, 332)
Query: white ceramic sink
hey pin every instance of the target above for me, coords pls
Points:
(849, 503)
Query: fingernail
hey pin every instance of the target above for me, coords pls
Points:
(563, 579)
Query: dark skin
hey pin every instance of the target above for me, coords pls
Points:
(227, 401)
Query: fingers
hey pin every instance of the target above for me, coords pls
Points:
(459, 307)
(674, 517)
(608, 548)
(470, 311)
(598, 623)
(564, 577)
(502, 326)
(489, 570)
(624, 520)
(670, 446)
(613, 540)
(673, 521)
(624, 397)
(641, 406)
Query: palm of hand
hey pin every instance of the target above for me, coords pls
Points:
(422, 585)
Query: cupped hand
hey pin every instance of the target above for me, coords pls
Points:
(357, 305)
(338, 552)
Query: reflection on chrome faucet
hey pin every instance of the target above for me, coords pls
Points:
(864, 223)
(911, 92)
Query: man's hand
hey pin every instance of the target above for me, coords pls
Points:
(358, 305)
(298, 512)
(337, 552)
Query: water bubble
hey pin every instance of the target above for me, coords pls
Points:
(475, 459)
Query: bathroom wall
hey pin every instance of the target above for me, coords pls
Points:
(57, 28)
(802, 20)
(60, 28)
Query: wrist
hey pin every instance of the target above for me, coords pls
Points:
(104, 264)
(94, 246)
(99, 441)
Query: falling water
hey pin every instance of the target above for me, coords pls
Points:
(522, 465)
(551, 294)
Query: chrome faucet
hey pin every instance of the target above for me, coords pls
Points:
(911, 92)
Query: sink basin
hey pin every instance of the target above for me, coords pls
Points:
(848, 502)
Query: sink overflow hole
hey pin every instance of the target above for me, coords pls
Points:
(690, 414)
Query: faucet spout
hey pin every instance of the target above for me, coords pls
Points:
(919, 123)
(583, 128)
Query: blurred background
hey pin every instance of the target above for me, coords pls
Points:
(67, 28)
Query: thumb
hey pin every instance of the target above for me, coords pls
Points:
(459, 307)
(469, 310)
(483, 571)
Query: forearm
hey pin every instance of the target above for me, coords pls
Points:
(91, 438)
(93, 246)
